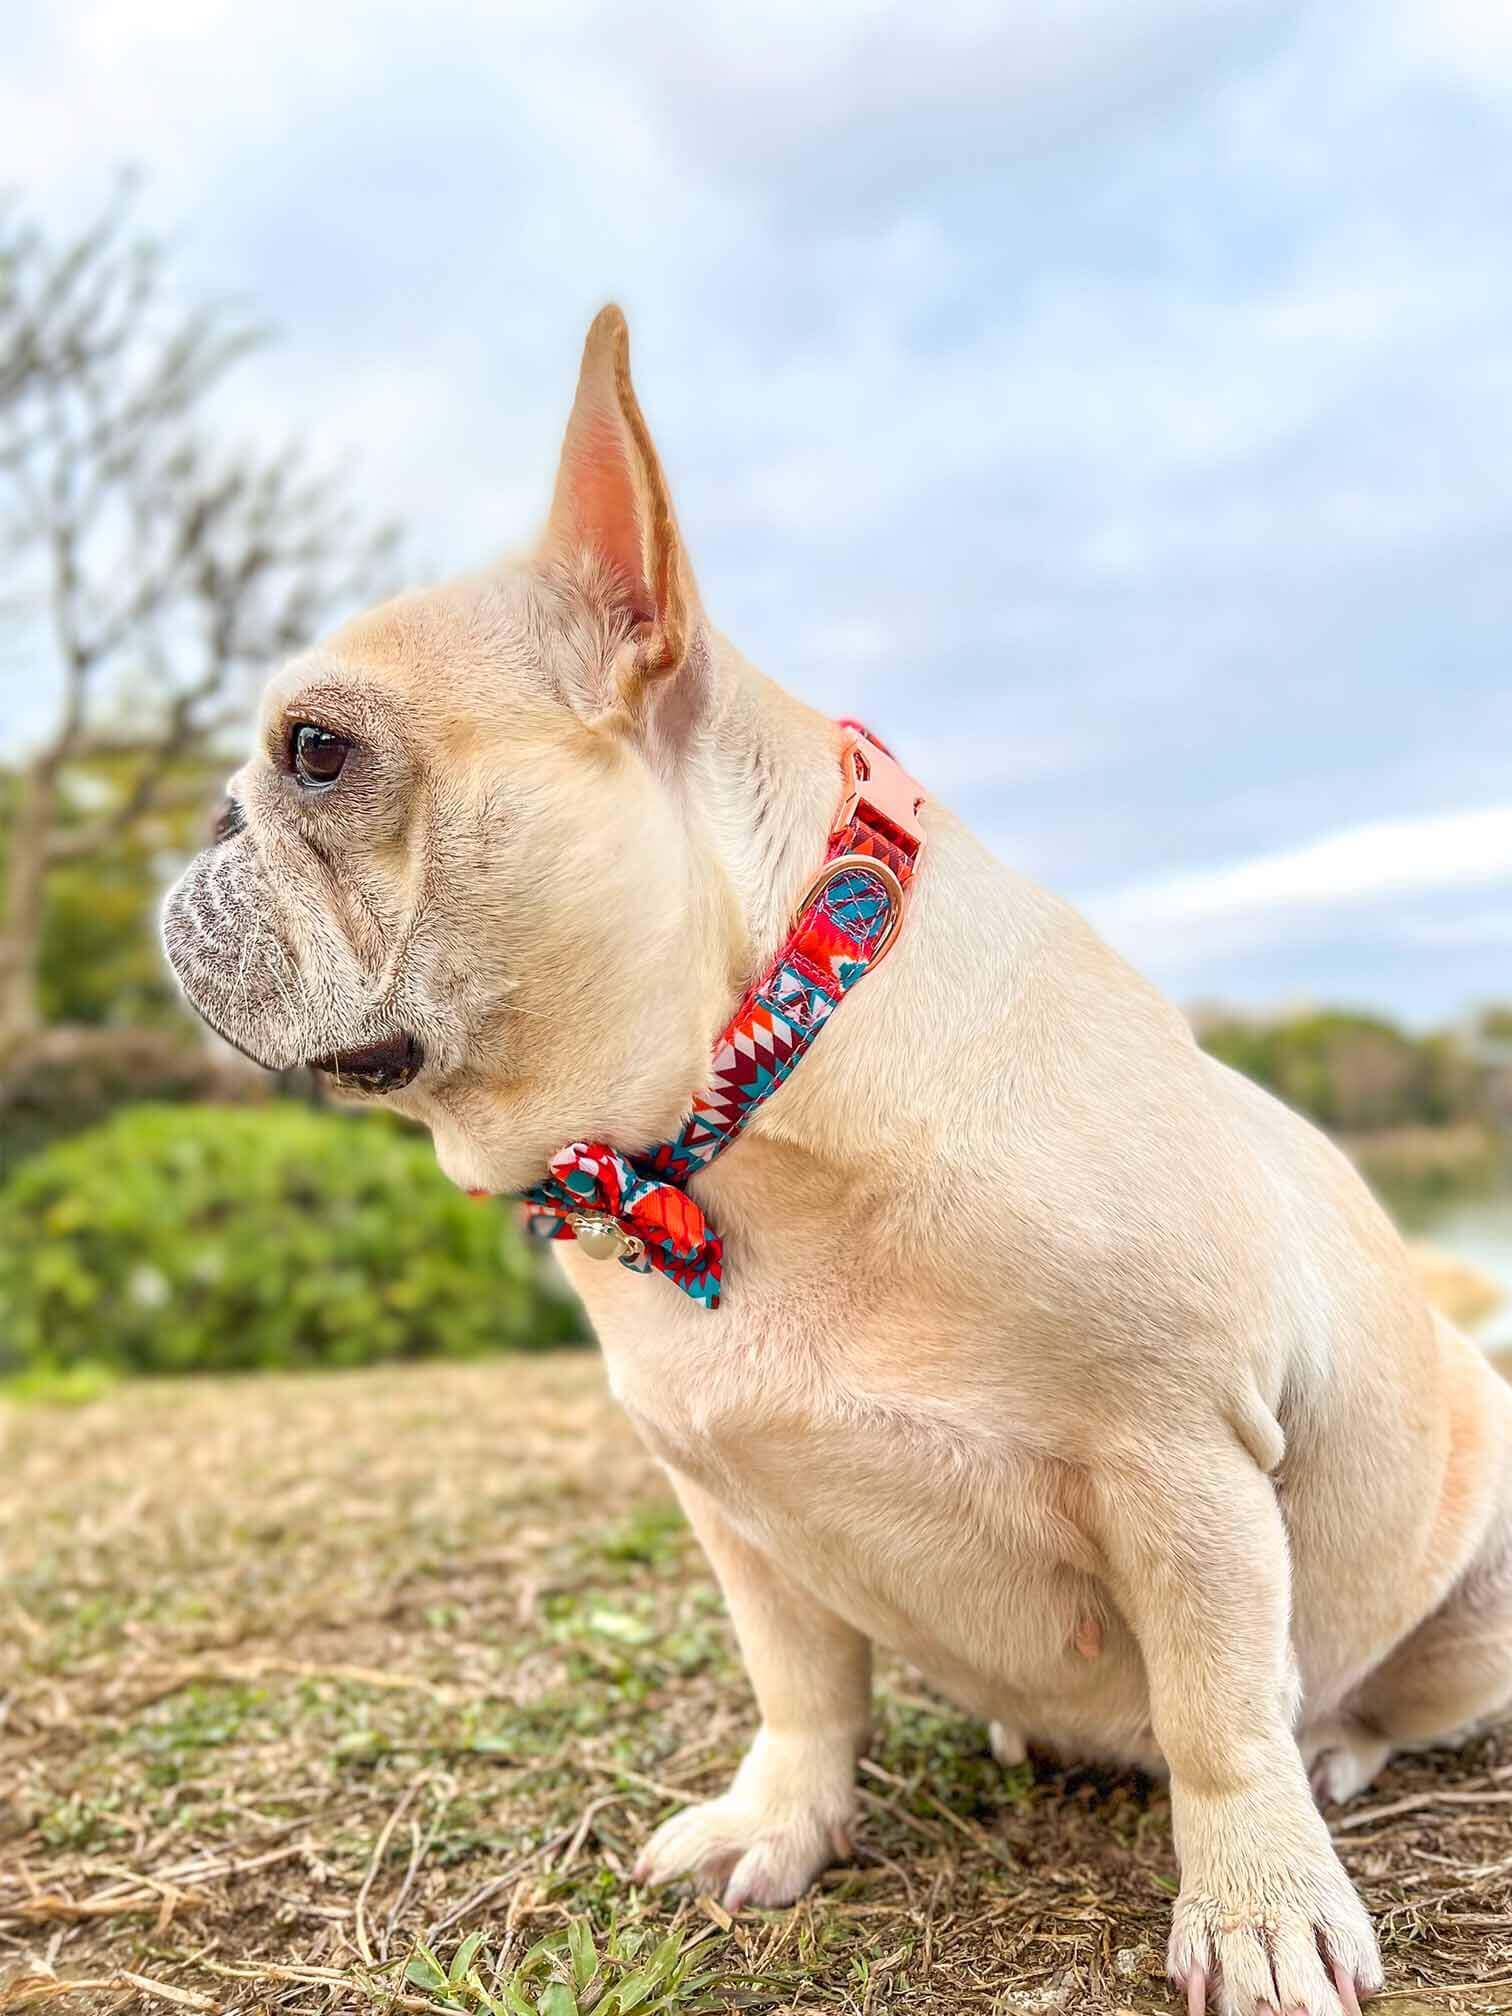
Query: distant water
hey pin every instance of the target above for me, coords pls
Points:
(1478, 1229)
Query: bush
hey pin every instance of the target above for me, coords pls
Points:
(64, 1080)
(1352, 1073)
(215, 1238)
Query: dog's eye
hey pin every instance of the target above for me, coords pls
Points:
(317, 756)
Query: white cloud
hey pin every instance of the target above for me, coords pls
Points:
(1488, 928)
(1469, 41)
(953, 765)
(852, 640)
(1365, 864)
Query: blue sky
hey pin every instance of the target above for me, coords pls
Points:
(1112, 401)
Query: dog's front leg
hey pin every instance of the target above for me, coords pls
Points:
(788, 1812)
(1266, 1919)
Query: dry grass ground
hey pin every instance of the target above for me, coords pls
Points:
(299, 1672)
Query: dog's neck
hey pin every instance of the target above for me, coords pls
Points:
(636, 1206)
(760, 777)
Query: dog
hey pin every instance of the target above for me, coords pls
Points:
(1051, 1354)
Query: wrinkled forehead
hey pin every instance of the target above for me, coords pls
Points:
(426, 661)
(336, 690)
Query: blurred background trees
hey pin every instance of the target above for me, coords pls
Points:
(1353, 1073)
(1423, 1114)
(152, 572)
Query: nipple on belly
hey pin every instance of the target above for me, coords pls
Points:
(1088, 1637)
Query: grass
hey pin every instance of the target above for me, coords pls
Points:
(359, 1692)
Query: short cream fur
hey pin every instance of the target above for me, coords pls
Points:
(1052, 1355)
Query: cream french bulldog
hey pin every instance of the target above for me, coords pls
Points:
(1052, 1355)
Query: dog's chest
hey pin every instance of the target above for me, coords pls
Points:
(925, 1524)
(718, 1399)
(778, 1407)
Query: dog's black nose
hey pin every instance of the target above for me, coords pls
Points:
(229, 821)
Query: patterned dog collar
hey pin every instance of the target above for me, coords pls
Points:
(635, 1208)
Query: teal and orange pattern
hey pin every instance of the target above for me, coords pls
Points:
(837, 938)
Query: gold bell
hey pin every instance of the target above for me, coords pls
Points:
(601, 1239)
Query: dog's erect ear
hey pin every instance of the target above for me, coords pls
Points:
(611, 500)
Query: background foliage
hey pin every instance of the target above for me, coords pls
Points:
(178, 1238)
(1352, 1072)
(98, 961)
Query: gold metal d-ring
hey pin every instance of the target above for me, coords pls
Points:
(849, 864)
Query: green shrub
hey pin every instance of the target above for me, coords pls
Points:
(1352, 1073)
(213, 1238)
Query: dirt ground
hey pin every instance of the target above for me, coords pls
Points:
(299, 1672)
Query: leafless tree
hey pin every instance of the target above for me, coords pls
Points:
(150, 573)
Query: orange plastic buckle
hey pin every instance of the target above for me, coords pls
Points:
(878, 788)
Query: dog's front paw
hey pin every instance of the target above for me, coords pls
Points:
(786, 1817)
(1274, 1939)
(741, 1855)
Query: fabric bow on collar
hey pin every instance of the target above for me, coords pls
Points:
(614, 1208)
(635, 1208)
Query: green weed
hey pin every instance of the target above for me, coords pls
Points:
(571, 1974)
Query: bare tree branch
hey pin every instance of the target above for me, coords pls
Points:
(171, 570)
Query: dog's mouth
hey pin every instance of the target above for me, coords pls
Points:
(378, 1067)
